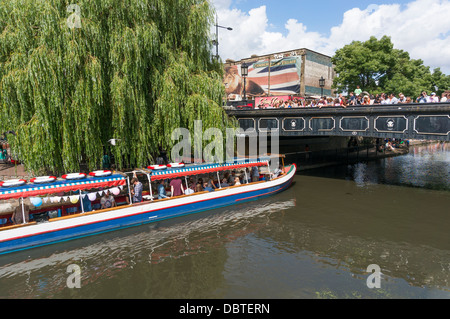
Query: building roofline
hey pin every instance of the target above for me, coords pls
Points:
(255, 57)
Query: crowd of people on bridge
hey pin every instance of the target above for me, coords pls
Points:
(358, 98)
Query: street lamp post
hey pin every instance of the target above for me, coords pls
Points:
(244, 74)
(216, 42)
(321, 84)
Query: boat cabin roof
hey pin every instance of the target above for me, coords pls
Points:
(196, 169)
(64, 185)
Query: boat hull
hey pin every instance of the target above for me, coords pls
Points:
(63, 229)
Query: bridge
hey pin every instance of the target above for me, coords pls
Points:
(425, 121)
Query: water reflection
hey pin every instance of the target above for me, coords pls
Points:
(150, 251)
(426, 166)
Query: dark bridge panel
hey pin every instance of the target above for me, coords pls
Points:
(293, 124)
(322, 124)
(394, 124)
(267, 124)
(354, 123)
(439, 124)
(407, 121)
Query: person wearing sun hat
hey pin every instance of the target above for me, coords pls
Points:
(433, 98)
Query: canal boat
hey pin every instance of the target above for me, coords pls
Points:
(59, 196)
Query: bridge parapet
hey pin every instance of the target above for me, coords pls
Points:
(428, 121)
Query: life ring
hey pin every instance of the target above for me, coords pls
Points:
(100, 173)
(157, 167)
(13, 182)
(175, 165)
(43, 179)
(74, 176)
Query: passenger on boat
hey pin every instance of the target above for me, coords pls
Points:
(189, 190)
(211, 183)
(176, 187)
(17, 217)
(192, 183)
(255, 174)
(278, 171)
(224, 182)
(231, 178)
(244, 176)
(237, 181)
(136, 190)
(107, 201)
(161, 190)
(199, 187)
(227, 178)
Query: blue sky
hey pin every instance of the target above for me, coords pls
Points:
(319, 15)
(420, 27)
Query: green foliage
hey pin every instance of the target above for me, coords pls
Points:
(134, 71)
(377, 67)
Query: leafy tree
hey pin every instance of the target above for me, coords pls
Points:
(131, 70)
(439, 81)
(377, 67)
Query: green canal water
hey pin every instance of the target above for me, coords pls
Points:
(315, 240)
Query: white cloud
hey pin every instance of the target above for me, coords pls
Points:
(421, 28)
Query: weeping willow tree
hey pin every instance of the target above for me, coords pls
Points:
(74, 77)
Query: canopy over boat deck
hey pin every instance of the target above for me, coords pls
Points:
(198, 169)
(30, 189)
